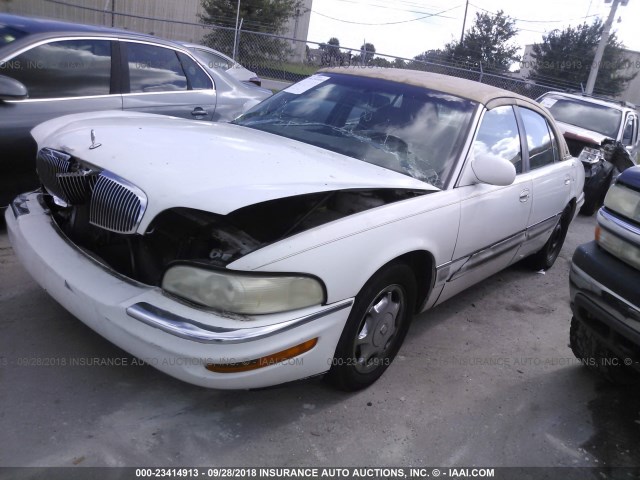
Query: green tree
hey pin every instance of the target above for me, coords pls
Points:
(399, 63)
(381, 62)
(331, 54)
(264, 16)
(486, 42)
(432, 56)
(566, 56)
(367, 51)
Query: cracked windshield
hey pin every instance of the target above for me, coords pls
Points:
(408, 129)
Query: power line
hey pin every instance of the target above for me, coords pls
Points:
(421, 12)
(534, 21)
(438, 14)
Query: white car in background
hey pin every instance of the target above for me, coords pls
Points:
(218, 60)
(301, 238)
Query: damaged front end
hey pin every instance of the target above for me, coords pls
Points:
(101, 212)
(602, 163)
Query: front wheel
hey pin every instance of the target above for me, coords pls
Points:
(375, 328)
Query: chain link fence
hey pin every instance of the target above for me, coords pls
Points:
(284, 58)
(290, 60)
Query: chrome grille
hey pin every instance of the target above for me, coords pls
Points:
(116, 204)
(77, 186)
(50, 163)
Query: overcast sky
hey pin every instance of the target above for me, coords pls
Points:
(354, 21)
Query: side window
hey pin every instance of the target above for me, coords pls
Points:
(498, 136)
(69, 68)
(198, 80)
(629, 130)
(154, 69)
(543, 149)
(214, 61)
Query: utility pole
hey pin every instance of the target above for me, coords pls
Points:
(464, 22)
(113, 13)
(235, 37)
(593, 75)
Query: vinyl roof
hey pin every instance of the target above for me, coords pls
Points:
(461, 87)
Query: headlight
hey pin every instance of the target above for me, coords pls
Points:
(616, 246)
(236, 292)
(590, 155)
(624, 201)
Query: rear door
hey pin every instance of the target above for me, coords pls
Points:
(159, 79)
(62, 76)
(552, 177)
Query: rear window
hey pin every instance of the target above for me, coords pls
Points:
(590, 116)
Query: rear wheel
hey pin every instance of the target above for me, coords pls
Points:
(375, 329)
(546, 257)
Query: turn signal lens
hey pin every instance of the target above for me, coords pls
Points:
(262, 362)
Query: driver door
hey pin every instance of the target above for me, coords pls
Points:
(493, 219)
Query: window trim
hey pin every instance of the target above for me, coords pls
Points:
(126, 79)
(113, 74)
(119, 66)
(523, 137)
(630, 117)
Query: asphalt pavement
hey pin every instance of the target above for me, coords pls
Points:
(486, 379)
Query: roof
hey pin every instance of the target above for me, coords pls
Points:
(586, 98)
(460, 87)
(34, 25)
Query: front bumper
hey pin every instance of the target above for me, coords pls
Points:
(171, 336)
(606, 300)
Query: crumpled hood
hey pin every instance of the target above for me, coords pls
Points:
(216, 167)
(582, 134)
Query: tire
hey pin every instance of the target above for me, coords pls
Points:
(547, 255)
(586, 347)
(375, 329)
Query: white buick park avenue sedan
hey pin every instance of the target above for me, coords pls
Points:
(301, 238)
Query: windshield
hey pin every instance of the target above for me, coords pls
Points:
(590, 116)
(8, 34)
(408, 129)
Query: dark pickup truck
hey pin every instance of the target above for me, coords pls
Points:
(605, 286)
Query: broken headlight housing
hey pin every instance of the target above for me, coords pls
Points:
(591, 155)
(238, 292)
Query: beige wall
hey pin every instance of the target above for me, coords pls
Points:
(177, 10)
(182, 10)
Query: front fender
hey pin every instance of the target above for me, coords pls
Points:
(347, 252)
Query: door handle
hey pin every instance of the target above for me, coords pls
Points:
(199, 112)
(567, 180)
(524, 195)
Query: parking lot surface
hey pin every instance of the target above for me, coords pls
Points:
(486, 379)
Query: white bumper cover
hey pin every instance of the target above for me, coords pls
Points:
(171, 336)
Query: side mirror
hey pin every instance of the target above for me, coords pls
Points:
(493, 170)
(11, 89)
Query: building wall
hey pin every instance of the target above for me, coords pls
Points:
(632, 91)
(176, 10)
